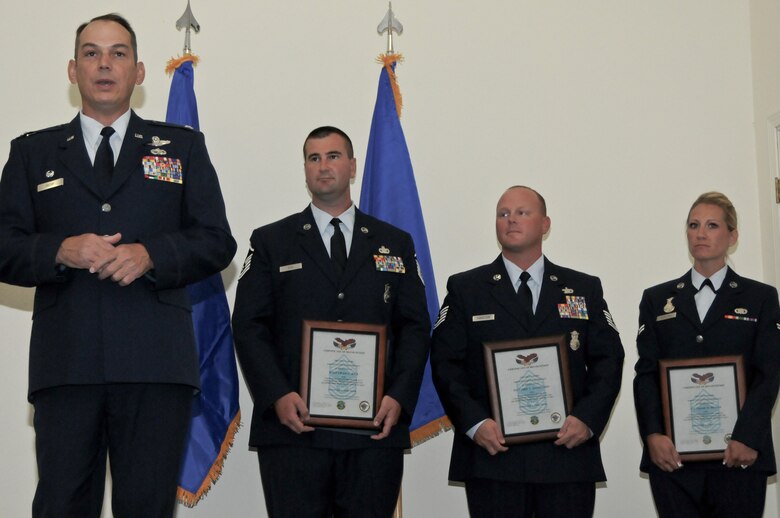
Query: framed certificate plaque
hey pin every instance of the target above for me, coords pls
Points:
(529, 387)
(701, 399)
(342, 372)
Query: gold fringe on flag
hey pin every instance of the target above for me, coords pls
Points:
(188, 499)
(175, 63)
(389, 60)
(430, 430)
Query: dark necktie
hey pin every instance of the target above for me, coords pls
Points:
(338, 246)
(104, 160)
(708, 282)
(524, 296)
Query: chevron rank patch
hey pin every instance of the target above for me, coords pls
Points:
(247, 263)
(419, 270)
(610, 320)
(641, 328)
(442, 316)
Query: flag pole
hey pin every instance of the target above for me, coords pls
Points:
(389, 24)
(216, 414)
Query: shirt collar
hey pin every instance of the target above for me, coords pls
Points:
(716, 278)
(536, 270)
(90, 128)
(322, 218)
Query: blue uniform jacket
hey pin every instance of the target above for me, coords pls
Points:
(755, 335)
(287, 278)
(87, 331)
(482, 306)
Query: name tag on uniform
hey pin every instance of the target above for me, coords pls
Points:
(482, 318)
(51, 185)
(661, 318)
(290, 267)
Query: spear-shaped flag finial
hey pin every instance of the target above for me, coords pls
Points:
(187, 22)
(390, 24)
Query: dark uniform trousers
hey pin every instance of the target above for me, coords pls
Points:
(706, 493)
(142, 427)
(499, 499)
(319, 482)
(287, 278)
(539, 478)
(744, 319)
(112, 368)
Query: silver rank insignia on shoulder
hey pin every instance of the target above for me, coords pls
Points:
(680, 285)
(778, 326)
(157, 141)
(567, 291)
(733, 284)
(574, 343)
(70, 138)
(49, 173)
(247, 263)
(669, 307)
(610, 320)
(419, 270)
(554, 278)
(443, 316)
(138, 135)
(384, 250)
(364, 230)
(641, 328)
(497, 277)
(158, 151)
(307, 226)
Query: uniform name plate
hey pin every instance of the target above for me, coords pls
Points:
(529, 387)
(342, 373)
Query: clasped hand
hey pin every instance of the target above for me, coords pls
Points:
(101, 255)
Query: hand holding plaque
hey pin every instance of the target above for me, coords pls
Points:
(701, 399)
(529, 386)
(342, 373)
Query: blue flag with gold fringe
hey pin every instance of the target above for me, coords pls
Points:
(215, 413)
(389, 192)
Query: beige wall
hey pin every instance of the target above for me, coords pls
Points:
(765, 42)
(619, 112)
